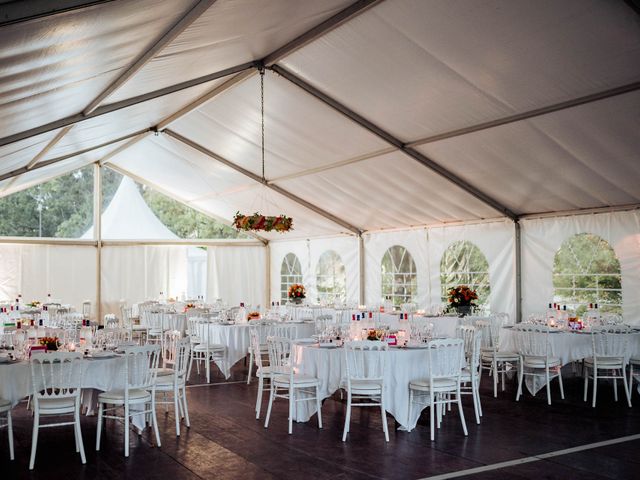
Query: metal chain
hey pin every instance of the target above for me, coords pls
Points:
(262, 116)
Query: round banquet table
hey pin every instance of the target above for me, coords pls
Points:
(237, 340)
(402, 366)
(569, 346)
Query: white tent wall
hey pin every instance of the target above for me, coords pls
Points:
(138, 272)
(68, 273)
(541, 239)
(237, 274)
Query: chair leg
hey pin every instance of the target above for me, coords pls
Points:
(546, 377)
(347, 418)
(259, 396)
(383, 412)
(78, 433)
(183, 398)
(271, 393)
(250, 366)
(176, 406)
(291, 403)
(100, 420)
(627, 388)
(410, 405)
(34, 439)
(630, 383)
(494, 367)
(431, 415)
(319, 407)
(10, 433)
(520, 378)
(126, 430)
(474, 396)
(595, 386)
(154, 420)
(615, 388)
(585, 373)
(464, 424)
(560, 381)
(190, 366)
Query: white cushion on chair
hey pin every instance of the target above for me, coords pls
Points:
(364, 387)
(605, 362)
(634, 361)
(539, 362)
(203, 347)
(117, 396)
(447, 384)
(488, 355)
(299, 380)
(5, 405)
(163, 371)
(56, 405)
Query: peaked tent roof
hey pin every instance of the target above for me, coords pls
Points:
(128, 217)
(379, 114)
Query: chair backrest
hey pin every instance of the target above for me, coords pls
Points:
(86, 308)
(472, 337)
(111, 321)
(446, 358)
(141, 363)
(176, 322)
(279, 354)
(198, 330)
(532, 340)
(610, 318)
(181, 357)
(286, 331)
(56, 375)
(365, 360)
(169, 347)
(610, 341)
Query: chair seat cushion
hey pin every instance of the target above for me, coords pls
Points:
(4, 405)
(164, 371)
(117, 396)
(465, 376)
(605, 362)
(439, 384)
(299, 380)
(364, 387)
(265, 371)
(212, 347)
(56, 405)
(539, 362)
(165, 381)
(488, 355)
(635, 361)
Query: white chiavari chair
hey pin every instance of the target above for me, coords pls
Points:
(176, 381)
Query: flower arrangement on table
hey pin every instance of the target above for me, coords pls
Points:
(188, 306)
(50, 342)
(375, 334)
(253, 316)
(34, 304)
(296, 292)
(257, 221)
(462, 296)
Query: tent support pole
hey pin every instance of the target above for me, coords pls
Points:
(361, 259)
(518, 265)
(97, 223)
(267, 296)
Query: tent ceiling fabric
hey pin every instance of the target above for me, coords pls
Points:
(413, 68)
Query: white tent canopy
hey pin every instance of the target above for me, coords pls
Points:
(399, 115)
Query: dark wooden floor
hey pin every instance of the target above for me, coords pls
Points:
(225, 441)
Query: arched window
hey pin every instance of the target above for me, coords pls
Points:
(399, 277)
(586, 270)
(331, 278)
(463, 263)
(290, 273)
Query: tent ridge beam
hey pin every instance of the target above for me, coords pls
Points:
(260, 180)
(185, 21)
(518, 117)
(129, 102)
(319, 30)
(389, 138)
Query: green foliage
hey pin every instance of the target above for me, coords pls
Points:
(61, 207)
(184, 221)
(463, 263)
(586, 270)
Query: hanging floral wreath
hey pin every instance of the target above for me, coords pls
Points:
(281, 223)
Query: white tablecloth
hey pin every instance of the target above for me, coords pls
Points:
(401, 367)
(568, 346)
(236, 339)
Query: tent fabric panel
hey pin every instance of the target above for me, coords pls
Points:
(19, 154)
(229, 33)
(109, 126)
(386, 192)
(582, 157)
(300, 132)
(54, 66)
(237, 274)
(436, 66)
(186, 173)
(542, 238)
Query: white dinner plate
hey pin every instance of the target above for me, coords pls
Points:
(328, 345)
(103, 355)
(416, 347)
(305, 340)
